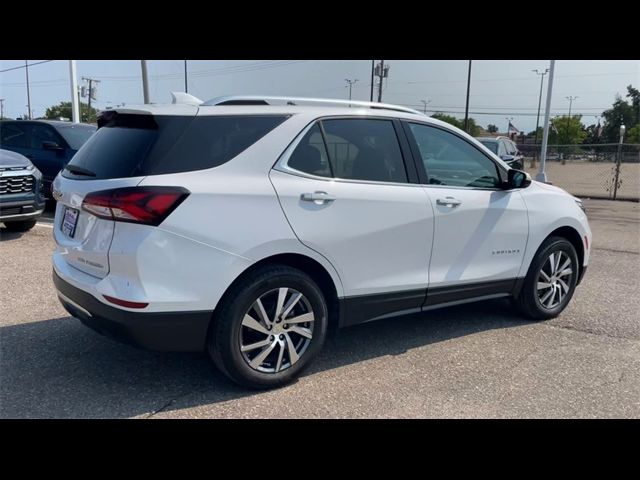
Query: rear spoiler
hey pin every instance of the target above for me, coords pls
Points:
(185, 98)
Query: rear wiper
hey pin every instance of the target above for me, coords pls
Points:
(79, 170)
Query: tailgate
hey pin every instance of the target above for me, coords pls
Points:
(82, 238)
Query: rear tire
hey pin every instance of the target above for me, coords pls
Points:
(268, 346)
(550, 281)
(23, 226)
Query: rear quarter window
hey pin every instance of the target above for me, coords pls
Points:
(139, 145)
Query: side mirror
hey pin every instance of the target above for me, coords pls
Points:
(51, 146)
(507, 158)
(518, 179)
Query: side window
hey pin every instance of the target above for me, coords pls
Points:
(310, 156)
(450, 160)
(502, 148)
(364, 149)
(514, 148)
(42, 133)
(12, 135)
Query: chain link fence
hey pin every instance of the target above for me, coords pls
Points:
(599, 171)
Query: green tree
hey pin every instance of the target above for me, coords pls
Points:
(63, 109)
(568, 131)
(491, 128)
(474, 129)
(622, 113)
(633, 135)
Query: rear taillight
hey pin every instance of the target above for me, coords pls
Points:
(147, 205)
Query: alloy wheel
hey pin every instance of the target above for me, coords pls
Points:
(554, 279)
(276, 330)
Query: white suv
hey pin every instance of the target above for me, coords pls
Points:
(247, 226)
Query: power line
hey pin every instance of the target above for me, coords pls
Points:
(503, 79)
(25, 66)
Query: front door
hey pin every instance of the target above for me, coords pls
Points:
(481, 229)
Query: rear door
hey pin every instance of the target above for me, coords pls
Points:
(345, 188)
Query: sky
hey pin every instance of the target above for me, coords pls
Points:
(500, 89)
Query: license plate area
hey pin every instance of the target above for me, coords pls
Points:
(69, 221)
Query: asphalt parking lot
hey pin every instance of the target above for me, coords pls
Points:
(473, 361)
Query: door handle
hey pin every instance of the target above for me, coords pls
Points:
(318, 198)
(448, 202)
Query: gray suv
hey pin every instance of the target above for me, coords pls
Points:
(506, 149)
(21, 197)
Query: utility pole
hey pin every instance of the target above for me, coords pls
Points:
(382, 72)
(26, 71)
(542, 174)
(372, 77)
(145, 81)
(425, 103)
(350, 82)
(186, 86)
(1, 108)
(566, 130)
(466, 109)
(90, 94)
(75, 101)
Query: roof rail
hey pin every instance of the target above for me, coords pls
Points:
(274, 100)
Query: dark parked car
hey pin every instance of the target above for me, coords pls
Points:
(21, 197)
(506, 149)
(48, 144)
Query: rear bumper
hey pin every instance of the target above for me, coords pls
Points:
(166, 331)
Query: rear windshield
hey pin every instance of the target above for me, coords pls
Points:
(128, 145)
(491, 145)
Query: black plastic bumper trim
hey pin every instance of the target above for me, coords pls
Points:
(164, 331)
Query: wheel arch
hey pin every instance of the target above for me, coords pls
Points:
(306, 264)
(571, 235)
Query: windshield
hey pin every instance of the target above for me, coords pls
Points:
(491, 145)
(76, 135)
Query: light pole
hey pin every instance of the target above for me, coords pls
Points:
(425, 103)
(373, 67)
(145, 81)
(542, 74)
(542, 174)
(566, 129)
(26, 72)
(350, 82)
(186, 86)
(466, 108)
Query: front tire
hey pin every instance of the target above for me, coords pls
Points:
(22, 226)
(550, 281)
(269, 327)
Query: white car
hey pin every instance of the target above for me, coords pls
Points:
(247, 226)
